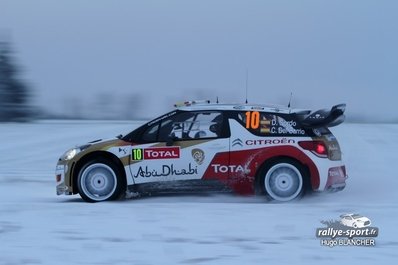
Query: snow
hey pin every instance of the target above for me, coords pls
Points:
(38, 227)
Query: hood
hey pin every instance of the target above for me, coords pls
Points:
(362, 219)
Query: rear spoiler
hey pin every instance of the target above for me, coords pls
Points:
(324, 118)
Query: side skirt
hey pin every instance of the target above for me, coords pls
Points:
(180, 187)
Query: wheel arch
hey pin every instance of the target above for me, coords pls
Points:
(96, 155)
(267, 155)
(267, 163)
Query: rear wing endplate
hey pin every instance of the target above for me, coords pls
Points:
(324, 118)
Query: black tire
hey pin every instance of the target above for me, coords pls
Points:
(282, 180)
(100, 180)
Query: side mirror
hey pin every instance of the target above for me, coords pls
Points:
(171, 139)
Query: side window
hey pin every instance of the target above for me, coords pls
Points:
(151, 133)
(206, 125)
(185, 126)
(166, 128)
(192, 125)
(269, 124)
(160, 130)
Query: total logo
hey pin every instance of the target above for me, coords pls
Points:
(155, 153)
(229, 168)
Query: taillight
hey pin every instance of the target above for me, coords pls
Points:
(316, 147)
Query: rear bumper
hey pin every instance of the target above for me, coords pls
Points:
(336, 187)
(336, 178)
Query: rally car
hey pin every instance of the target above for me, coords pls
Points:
(354, 220)
(250, 149)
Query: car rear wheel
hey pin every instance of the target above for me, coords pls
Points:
(99, 180)
(283, 180)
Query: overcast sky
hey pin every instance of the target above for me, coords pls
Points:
(325, 52)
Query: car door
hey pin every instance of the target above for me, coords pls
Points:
(349, 221)
(180, 147)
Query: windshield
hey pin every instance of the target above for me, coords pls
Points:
(356, 216)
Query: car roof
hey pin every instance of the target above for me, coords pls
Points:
(349, 214)
(192, 106)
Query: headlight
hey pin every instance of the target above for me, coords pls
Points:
(70, 154)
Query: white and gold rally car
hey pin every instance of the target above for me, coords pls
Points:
(250, 149)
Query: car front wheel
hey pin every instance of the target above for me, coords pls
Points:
(98, 181)
(283, 180)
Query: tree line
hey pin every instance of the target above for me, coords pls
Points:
(15, 94)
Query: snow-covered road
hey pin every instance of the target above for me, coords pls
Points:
(37, 227)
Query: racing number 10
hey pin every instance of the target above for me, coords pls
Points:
(136, 154)
(252, 119)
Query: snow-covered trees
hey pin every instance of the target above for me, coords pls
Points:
(14, 93)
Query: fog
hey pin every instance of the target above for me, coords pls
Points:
(130, 59)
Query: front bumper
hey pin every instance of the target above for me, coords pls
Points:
(62, 189)
(60, 179)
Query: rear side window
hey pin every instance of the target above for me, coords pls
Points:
(321, 131)
(270, 124)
